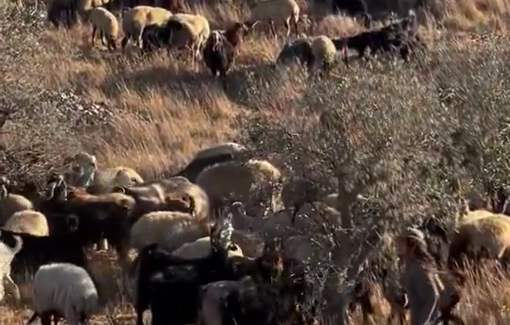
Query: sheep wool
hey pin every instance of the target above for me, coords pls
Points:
(12, 203)
(323, 52)
(121, 176)
(135, 20)
(29, 222)
(65, 288)
(490, 234)
(240, 180)
(106, 22)
(200, 248)
(195, 30)
(227, 148)
(169, 229)
(276, 10)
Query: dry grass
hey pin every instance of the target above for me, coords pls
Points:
(163, 109)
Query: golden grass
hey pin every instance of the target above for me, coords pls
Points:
(166, 108)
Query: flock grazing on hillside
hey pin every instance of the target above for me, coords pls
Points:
(163, 24)
(227, 240)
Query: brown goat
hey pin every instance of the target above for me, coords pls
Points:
(221, 48)
(174, 6)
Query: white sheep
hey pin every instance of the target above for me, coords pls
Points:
(169, 229)
(64, 289)
(225, 148)
(7, 254)
(324, 53)
(256, 183)
(189, 31)
(484, 235)
(28, 222)
(108, 26)
(86, 173)
(11, 203)
(201, 248)
(276, 10)
(136, 19)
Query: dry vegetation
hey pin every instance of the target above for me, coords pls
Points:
(412, 128)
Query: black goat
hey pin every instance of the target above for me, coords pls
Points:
(197, 165)
(164, 280)
(400, 36)
(155, 37)
(353, 8)
(249, 301)
(37, 251)
(299, 50)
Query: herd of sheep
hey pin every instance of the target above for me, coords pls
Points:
(225, 240)
(162, 24)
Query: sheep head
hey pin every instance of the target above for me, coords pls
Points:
(57, 188)
(122, 178)
(86, 166)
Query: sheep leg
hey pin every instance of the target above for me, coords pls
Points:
(287, 26)
(33, 318)
(102, 245)
(93, 35)
(295, 23)
(46, 318)
(14, 287)
(271, 26)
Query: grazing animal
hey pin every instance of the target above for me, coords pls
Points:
(276, 10)
(107, 24)
(62, 12)
(175, 6)
(201, 248)
(63, 290)
(220, 49)
(400, 36)
(299, 50)
(188, 30)
(256, 183)
(11, 203)
(164, 278)
(324, 53)
(7, 254)
(354, 8)
(479, 237)
(212, 155)
(37, 251)
(86, 173)
(29, 222)
(158, 195)
(169, 229)
(136, 19)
